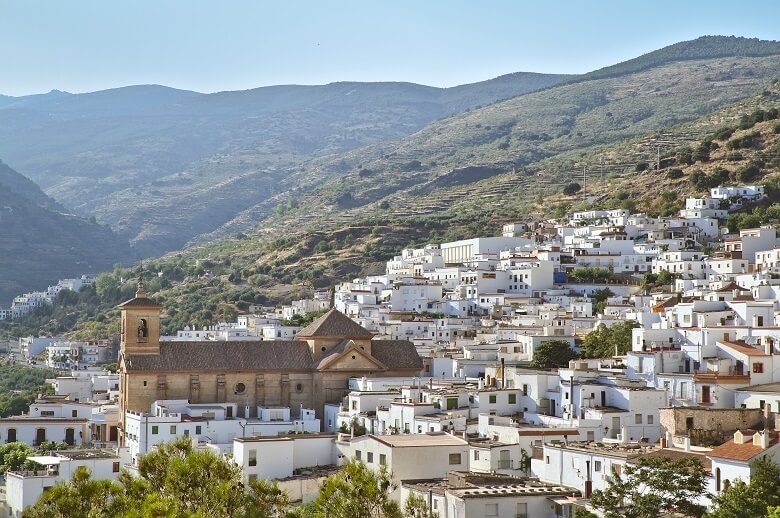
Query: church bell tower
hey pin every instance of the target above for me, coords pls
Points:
(140, 324)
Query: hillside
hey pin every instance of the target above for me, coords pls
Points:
(216, 281)
(162, 166)
(40, 244)
(511, 140)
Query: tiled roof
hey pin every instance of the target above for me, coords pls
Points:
(140, 302)
(396, 354)
(235, 355)
(743, 452)
(744, 348)
(731, 286)
(676, 454)
(289, 355)
(335, 324)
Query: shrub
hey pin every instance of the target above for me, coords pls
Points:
(674, 174)
(572, 188)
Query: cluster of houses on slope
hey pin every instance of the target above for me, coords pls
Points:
(425, 371)
(27, 302)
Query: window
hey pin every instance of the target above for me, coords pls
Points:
(197, 430)
(370, 457)
(357, 454)
(252, 477)
(597, 466)
(454, 459)
(74, 413)
(525, 389)
(155, 429)
(186, 432)
(492, 399)
(115, 467)
(452, 403)
(638, 418)
(491, 509)
(252, 457)
(354, 404)
(173, 429)
(476, 454)
(512, 399)
(144, 383)
(382, 459)
(522, 510)
(11, 435)
(758, 368)
(649, 419)
(547, 459)
(240, 388)
(47, 413)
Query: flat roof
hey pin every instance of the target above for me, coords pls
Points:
(291, 437)
(420, 440)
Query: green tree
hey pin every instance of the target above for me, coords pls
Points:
(655, 486)
(355, 492)
(604, 342)
(591, 274)
(175, 481)
(572, 188)
(600, 298)
(417, 507)
(13, 456)
(750, 500)
(552, 354)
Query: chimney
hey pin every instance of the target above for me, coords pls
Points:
(739, 437)
(761, 439)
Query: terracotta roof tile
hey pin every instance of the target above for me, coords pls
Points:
(743, 452)
(236, 355)
(140, 302)
(744, 348)
(335, 324)
(396, 354)
(289, 355)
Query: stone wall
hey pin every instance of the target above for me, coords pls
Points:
(709, 425)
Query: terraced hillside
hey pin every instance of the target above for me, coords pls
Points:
(216, 281)
(40, 244)
(162, 165)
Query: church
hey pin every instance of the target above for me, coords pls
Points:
(309, 371)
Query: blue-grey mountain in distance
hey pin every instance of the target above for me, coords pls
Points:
(164, 166)
(40, 243)
(95, 152)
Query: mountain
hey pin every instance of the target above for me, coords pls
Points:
(431, 172)
(162, 166)
(741, 138)
(40, 244)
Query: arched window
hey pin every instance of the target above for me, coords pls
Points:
(143, 329)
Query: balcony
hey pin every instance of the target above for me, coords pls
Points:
(730, 376)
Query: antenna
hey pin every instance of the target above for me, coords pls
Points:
(584, 179)
(602, 169)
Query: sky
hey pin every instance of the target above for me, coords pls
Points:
(206, 46)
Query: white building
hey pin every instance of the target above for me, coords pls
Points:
(23, 488)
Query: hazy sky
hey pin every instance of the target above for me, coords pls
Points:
(79, 45)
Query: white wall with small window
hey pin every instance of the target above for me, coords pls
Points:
(414, 456)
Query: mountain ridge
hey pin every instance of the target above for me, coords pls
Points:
(40, 244)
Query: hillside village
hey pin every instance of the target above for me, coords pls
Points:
(441, 369)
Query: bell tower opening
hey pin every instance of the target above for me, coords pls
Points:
(140, 324)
